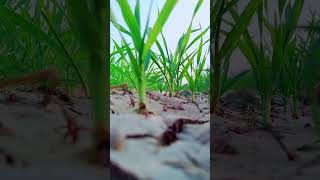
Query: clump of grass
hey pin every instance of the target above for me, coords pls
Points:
(267, 67)
(220, 51)
(310, 69)
(166, 70)
(47, 39)
(120, 69)
(140, 58)
(175, 66)
(196, 74)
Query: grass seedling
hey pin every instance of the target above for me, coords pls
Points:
(267, 67)
(196, 73)
(120, 66)
(174, 66)
(293, 78)
(311, 74)
(91, 22)
(141, 57)
(42, 40)
(220, 51)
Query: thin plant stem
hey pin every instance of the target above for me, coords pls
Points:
(217, 65)
(267, 110)
(142, 92)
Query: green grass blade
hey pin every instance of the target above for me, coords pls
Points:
(67, 54)
(197, 38)
(137, 13)
(162, 18)
(131, 22)
(197, 8)
(241, 25)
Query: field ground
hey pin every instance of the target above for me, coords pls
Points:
(136, 138)
(31, 148)
(44, 153)
(249, 153)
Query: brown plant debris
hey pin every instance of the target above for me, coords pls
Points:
(72, 127)
(170, 135)
(172, 107)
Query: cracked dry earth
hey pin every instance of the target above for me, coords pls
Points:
(243, 152)
(171, 143)
(31, 144)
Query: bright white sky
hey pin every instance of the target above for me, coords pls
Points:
(177, 23)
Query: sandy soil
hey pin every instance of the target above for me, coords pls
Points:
(249, 153)
(147, 158)
(30, 148)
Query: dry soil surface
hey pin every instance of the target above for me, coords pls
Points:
(31, 148)
(249, 153)
(146, 157)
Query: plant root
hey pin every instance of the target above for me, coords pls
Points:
(144, 110)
